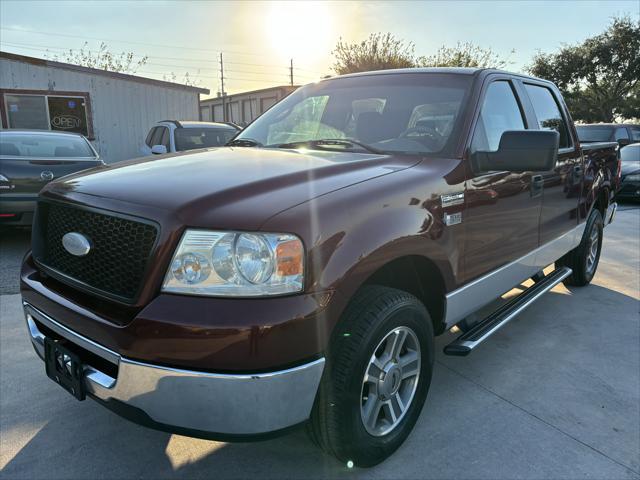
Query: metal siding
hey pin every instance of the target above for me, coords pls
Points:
(123, 110)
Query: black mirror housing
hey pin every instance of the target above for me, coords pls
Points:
(520, 151)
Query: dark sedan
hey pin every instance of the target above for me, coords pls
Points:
(29, 159)
(630, 179)
(623, 133)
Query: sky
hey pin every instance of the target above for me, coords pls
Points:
(258, 40)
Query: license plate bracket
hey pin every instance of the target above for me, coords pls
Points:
(64, 367)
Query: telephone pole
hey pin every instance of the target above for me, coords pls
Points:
(291, 72)
(224, 109)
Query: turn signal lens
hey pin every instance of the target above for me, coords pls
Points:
(289, 258)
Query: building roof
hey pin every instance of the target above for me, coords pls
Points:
(96, 71)
(251, 92)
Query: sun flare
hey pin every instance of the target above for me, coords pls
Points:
(300, 29)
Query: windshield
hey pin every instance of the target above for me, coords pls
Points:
(192, 138)
(397, 113)
(42, 145)
(594, 134)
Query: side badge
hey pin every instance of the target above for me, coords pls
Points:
(451, 199)
(452, 219)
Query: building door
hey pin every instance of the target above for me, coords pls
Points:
(502, 210)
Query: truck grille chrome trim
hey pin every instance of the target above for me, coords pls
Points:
(235, 404)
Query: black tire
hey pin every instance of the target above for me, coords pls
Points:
(336, 423)
(578, 259)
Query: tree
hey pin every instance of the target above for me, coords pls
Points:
(102, 59)
(600, 77)
(464, 54)
(378, 52)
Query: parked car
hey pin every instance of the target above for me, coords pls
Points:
(301, 273)
(630, 174)
(178, 136)
(623, 133)
(29, 159)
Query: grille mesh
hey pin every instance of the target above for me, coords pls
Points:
(120, 248)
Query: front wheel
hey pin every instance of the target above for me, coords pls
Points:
(376, 378)
(584, 259)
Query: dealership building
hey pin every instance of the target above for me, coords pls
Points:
(242, 108)
(113, 110)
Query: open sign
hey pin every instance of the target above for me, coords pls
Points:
(65, 122)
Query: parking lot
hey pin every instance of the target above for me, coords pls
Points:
(555, 394)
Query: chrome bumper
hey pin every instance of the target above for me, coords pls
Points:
(227, 404)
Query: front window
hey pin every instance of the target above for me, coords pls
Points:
(34, 145)
(192, 138)
(412, 113)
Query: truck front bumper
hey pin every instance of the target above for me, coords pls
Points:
(201, 404)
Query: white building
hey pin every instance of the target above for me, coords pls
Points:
(114, 110)
(243, 108)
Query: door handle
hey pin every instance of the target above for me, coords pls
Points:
(537, 185)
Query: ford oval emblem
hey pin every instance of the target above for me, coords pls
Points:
(76, 244)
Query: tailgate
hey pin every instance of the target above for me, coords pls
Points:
(28, 176)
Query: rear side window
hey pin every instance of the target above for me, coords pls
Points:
(500, 112)
(43, 146)
(548, 112)
(621, 134)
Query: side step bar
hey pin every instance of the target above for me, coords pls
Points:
(469, 340)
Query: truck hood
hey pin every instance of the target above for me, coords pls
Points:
(227, 186)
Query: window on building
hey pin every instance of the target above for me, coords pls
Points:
(548, 112)
(67, 113)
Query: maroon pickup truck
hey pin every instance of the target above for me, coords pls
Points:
(300, 274)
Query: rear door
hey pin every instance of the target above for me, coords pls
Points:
(562, 186)
(502, 208)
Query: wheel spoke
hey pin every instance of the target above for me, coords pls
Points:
(410, 364)
(371, 411)
(395, 344)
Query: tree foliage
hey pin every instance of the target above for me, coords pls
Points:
(383, 51)
(378, 52)
(103, 59)
(600, 77)
(464, 54)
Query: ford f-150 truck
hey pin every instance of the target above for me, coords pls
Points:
(300, 273)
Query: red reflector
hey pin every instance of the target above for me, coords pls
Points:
(7, 215)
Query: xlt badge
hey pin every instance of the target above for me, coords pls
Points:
(451, 199)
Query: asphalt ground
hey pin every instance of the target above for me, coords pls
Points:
(554, 394)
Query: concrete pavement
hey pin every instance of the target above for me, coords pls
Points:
(555, 394)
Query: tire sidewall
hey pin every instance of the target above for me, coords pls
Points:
(594, 221)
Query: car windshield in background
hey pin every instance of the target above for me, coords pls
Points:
(594, 134)
(413, 113)
(44, 145)
(192, 138)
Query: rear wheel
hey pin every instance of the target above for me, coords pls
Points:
(584, 259)
(376, 377)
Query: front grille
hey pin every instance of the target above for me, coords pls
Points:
(119, 254)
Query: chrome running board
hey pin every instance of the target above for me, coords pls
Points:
(465, 343)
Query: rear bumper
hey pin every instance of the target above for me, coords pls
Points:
(200, 404)
(17, 210)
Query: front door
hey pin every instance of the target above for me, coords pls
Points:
(502, 209)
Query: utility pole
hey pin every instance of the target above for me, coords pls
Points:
(291, 73)
(224, 109)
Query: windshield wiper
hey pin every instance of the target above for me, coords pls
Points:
(328, 142)
(243, 142)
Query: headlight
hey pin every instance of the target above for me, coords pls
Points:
(3, 178)
(236, 264)
(632, 178)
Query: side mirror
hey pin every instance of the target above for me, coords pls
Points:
(158, 149)
(520, 151)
